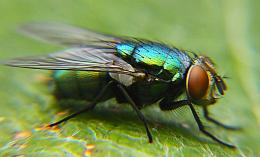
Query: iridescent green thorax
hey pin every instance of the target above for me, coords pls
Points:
(158, 59)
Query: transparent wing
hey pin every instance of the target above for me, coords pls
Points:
(66, 34)
(80, 59)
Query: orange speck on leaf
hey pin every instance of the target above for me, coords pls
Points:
(89, 149)
(22, 135)
(62, 113)
(21, 155)
(48, 128)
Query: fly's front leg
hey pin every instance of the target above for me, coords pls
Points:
(206, 115)
(89, 106)
(165, 105)
(202, 128)
(137, 110)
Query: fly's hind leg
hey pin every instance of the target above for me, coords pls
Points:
(206, 115)
(88, 108)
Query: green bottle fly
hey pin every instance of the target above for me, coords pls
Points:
(140, 72)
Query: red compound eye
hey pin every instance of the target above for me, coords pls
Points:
(197, 82)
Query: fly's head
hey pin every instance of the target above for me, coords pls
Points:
(203, 84)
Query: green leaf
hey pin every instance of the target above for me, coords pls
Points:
(227, 31)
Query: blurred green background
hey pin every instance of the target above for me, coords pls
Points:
(227, 31)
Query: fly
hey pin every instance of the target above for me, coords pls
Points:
(140, 72)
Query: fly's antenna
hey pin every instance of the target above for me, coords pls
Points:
(226, 77)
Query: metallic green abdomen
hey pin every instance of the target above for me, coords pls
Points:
(84, 85)
(79, 85)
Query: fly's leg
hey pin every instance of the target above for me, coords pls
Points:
(166, 106)
(174, 105)
(202, 128)
(206, 115)
(137, 110)
(89, 106)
